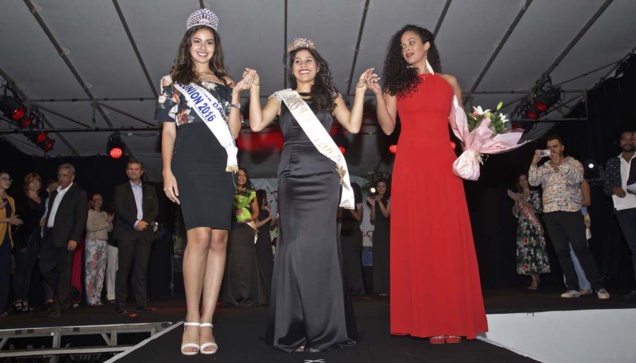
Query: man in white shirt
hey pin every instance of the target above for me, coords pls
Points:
(63, 228)
(617, 172)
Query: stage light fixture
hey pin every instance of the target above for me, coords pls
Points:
(115, 146)
(538, 104)
(13, 109)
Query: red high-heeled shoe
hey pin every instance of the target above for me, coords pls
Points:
(453, 339)
(439, 339)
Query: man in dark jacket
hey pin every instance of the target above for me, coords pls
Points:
(63, 228)
(136, 208)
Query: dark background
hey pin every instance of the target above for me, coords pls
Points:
(611, 109)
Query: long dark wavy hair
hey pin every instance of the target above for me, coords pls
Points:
(399, 78)
(323, 91)
(182, 70)
(248, 183)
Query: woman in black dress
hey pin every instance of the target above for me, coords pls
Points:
(27, 240)
(351, 243)
(264, 254)
(242, 284)
(380, 217)
(9, 221)
(308, 303)
(196, 159)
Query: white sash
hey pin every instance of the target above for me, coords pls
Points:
(211, 112)
(321, 140)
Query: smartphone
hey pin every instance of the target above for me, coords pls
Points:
(544, 153)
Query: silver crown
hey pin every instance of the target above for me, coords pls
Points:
(300, 43)
(203, 17)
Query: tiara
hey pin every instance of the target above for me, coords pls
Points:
(203, 17)
(300, 43)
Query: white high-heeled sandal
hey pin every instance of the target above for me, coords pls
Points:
(190, 345)
(208, 344)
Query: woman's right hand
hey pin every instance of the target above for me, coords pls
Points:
(15, 221)
(371, 201)
(170, 187)
(373, 84)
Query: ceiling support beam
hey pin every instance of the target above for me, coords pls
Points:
(500, 46)
(15, 88)
(133, 43)
(357, 48)
(62, 53)
(441, 18)
(72, 130)
(128, 114)
(285, 27)
(574, 41)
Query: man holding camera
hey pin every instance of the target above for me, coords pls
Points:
(561, 179)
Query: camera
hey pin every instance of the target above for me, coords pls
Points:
(544, 153)
(372, 191)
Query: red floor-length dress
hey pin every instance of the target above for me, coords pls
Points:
(435, 288)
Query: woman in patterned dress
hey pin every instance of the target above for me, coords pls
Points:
(532, 258)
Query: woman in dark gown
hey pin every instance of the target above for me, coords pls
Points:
(242, 283)
(27, 241)
(195, 170)
(380, 218)
(351, 244)
(309, 310)
(264, 253)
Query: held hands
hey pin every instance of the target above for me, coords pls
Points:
(371, 81)
(366, 78)
(250, 79)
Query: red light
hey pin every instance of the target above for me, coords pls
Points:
(40, 137)
(18, 113)
(533, 115)
(342, 149)
(48, 145)
(26, 123)
(540, 106)
(393, 149)
(453, 145)
(116, 153)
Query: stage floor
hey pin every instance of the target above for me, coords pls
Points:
(239, 331)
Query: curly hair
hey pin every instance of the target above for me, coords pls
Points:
(323, 91)
(400, 79)
(182, 70)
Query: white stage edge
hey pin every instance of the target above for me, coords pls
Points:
(579, 336)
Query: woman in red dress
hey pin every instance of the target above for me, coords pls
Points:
(435, 288)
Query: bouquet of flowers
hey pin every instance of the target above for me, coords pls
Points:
(481, 132)
(242, 199)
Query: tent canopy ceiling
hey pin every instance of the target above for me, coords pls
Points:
(97, 64)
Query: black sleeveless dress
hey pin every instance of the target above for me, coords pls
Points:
(308, 305)
(206, 190)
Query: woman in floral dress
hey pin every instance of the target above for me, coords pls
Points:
(532, 258)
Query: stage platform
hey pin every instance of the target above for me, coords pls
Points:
(525, 326)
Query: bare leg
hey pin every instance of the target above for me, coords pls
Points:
(212, 283)
(194, 260)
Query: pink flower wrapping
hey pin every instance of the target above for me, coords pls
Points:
(477, 142)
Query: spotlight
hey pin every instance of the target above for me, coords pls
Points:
(591, 169)
(42, 140)
(537, 105)
(15, 111)
(115, 146)
(393, 149)
(372, 191)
